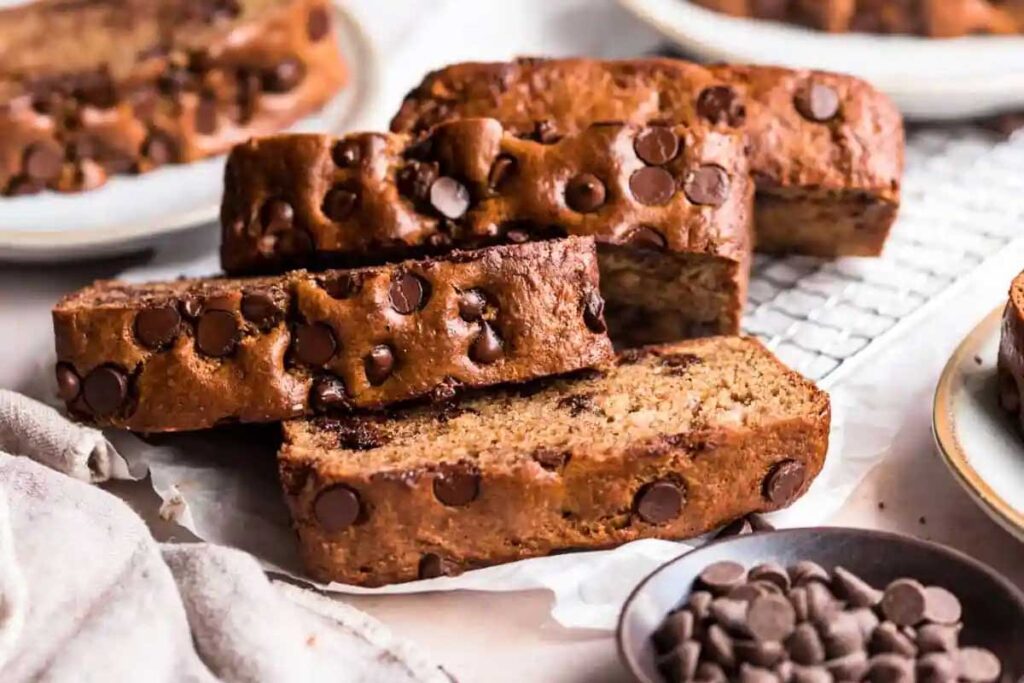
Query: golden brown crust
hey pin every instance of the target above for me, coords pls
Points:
(512, 185)
(83, 98)
(934, 18)
(671, 443)
(194, 353)
(828, 145)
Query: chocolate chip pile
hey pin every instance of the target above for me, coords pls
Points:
(805, 625)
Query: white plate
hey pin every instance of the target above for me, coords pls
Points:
(976, 439)
(927, 78)
(130, 211)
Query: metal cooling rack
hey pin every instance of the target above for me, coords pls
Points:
(963, 201)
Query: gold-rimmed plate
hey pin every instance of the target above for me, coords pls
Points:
(976, 439)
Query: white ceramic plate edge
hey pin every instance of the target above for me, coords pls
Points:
(68, 243)
(921, 92)
(947, 428)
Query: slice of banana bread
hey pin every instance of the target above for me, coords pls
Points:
(670, 443)
(196, 353)
(1011, 354)
(93, 88)
(826, 150)
(669, 205)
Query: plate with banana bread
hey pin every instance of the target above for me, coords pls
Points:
(108, 142)
(977, 417)
(941, 60)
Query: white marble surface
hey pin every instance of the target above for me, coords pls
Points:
(510, 637)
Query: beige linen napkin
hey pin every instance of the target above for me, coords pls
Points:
(87, 594)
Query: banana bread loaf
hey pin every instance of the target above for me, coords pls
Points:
(670, 443)
(936, 18)
(1011, 353)
(192, 354)
(93, 88)
(826, 150)
(669, 205)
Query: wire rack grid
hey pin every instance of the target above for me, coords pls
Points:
(963, 202)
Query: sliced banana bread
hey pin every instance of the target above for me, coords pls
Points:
(826, 150)
(191, 354)
(93, 88)
(669, 206)
(1011, 353)
(671, 442)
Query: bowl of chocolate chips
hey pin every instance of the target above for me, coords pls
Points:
(821, 606)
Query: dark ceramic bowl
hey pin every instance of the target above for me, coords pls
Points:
(993, 607)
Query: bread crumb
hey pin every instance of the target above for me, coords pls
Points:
(881, 505)
(977, 359)
(311, 640)
(922, 520)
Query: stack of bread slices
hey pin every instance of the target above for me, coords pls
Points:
(508, 327)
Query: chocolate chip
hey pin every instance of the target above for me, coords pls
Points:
(504, 166)
(342, 285)
(890, 668)
(851, 667)
(157, 326)
(318, 23)
(755, 674)
(659, 502)
(652, 186)
(593, 312)
(936, 668)
(68, 384)
(680, 664)
(217, 333)
(709, 672)
(721, 104)
(817, 102)
(339, 203)
(551, 459)
(347, 153)
(408, 293)
(42, 162)
(585, 193)
(380, 363)
(191, 306)
(449, 197)
(337, 508)
(771, 618)
(472, 304)
(416, 179)
(644, 237)
(294, 242)
(487, 347)
(720, 577)
(746, 592)
(699, 603)
(315, 343)
(719, 646)
(328, 393)
(841, 634)
(260, 309)
(206, 116)
(283, 76)
(887, 638)
(904, 602)
(771, 572)
(433, 566)
(853, 589)
(805, 572)
(978, 664)
(761, 653)
(866, 620)
(784, 482)
(798, 598)
(104, 390)
(731, 614)
(941, 606)
(656, 145)
(938, 638)
(708, 185)
(805, 646)
(160, 148)
(677, 628)
(456, 487)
